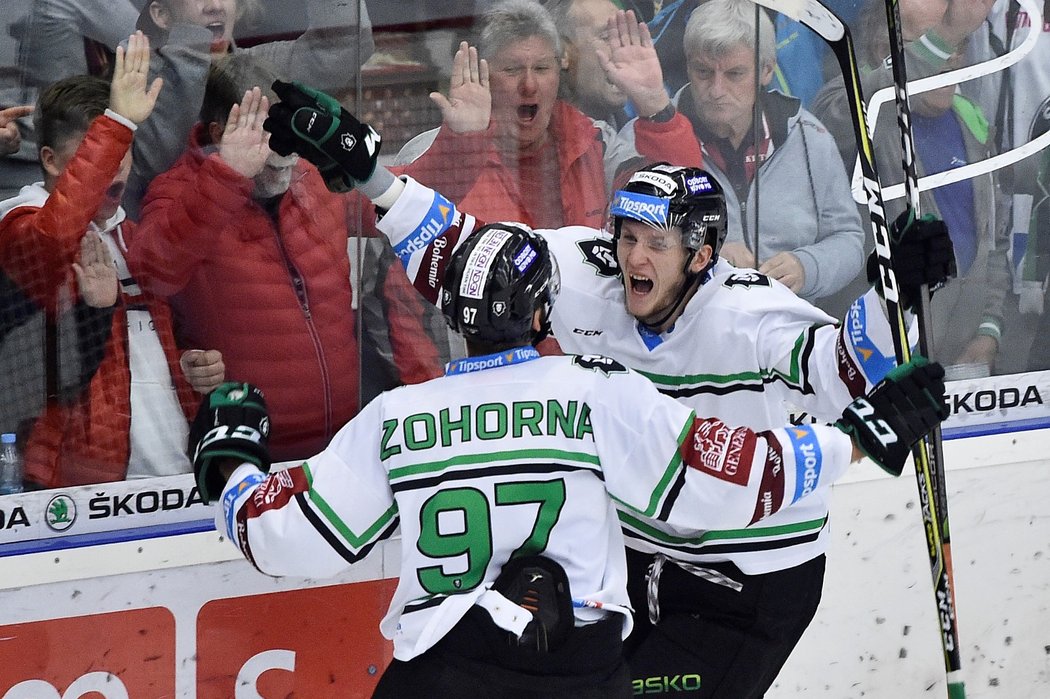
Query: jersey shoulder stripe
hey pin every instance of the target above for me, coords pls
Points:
(335, 531)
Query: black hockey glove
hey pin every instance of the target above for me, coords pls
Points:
(897, 413)
(231, 422)
(922, 253)
(314, 125)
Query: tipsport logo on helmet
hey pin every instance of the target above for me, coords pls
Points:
(476, 270)
(641, 207)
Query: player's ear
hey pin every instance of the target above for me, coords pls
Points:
(701, 258)
(766, 74)
(47, 161)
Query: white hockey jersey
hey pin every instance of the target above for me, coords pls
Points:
(746, 350)
(517, 454)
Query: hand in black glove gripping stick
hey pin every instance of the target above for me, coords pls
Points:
(314, 125)
(897, 413)
(231, 423)
(922, 253)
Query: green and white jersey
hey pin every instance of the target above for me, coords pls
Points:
(746, 350)
(514, 454)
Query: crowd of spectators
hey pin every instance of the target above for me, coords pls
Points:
(232, 261)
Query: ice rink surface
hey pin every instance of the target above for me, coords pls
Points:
(876, 633)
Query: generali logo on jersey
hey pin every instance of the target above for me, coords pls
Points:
(723, 452)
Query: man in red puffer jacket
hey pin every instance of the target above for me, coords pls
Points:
(251, 250)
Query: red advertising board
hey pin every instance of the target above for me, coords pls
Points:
(321, 643)
(101, 656)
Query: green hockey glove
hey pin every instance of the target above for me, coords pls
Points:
(901, 409)
(231, 423)
(314, 125)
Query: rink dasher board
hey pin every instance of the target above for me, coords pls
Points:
(999, 419)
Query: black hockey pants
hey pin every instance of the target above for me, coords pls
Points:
(476, 661)
(711, 640)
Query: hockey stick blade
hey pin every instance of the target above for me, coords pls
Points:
(810, 13)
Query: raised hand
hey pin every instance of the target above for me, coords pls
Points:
(245, 145)
(902, 409)
(630, 62)
(128, 95)
(231, 423)
(469, 103)
(10, 137)
(96, 273)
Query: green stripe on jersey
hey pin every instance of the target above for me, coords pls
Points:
(531, 455)
(714, 535)
(356, 541)
(792, 377)
(674, 466)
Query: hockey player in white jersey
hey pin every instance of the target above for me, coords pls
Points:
(728, 603)
(503, 476)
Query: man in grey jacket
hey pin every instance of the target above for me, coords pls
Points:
(795, 209)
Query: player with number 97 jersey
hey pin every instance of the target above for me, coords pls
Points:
(468, 462)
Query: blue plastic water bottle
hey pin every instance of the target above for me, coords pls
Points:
(10, 465)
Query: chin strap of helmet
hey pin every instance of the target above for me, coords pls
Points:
(540, 335)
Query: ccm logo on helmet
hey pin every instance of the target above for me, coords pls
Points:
(641, 207)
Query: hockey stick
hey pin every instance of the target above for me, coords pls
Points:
(824, 22)
(931, 468)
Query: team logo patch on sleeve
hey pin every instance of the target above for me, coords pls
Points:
(771, 490)
(277, 491)
(230, 497)
(746, 280)
(849, 372)
(598, 253)
(596, 362)
(720, 451)
(873, 362)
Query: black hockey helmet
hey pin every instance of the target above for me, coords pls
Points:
(494, 283)
(664, 196)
